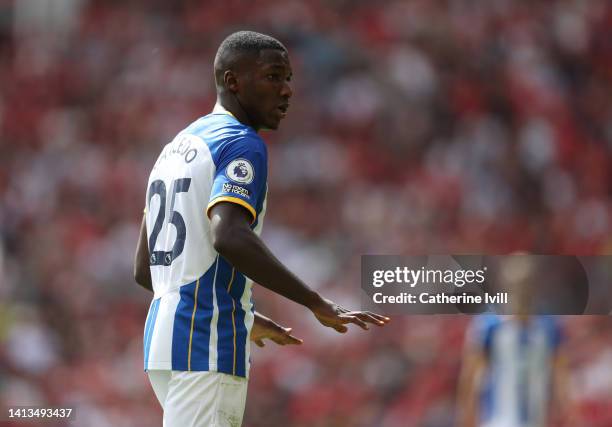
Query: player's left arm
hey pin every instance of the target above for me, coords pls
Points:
(266, 328)
(562, 410)
(560, 389)
(474, 366)
(470, 380)
(142, 271)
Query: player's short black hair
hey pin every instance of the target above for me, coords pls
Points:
(242, 42)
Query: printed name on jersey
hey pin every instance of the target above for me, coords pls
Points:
(241, 171)
(182, 146)
(231, 188)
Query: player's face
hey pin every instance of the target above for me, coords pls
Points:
(267, 95)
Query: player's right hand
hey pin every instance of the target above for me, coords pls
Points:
(264, 328)
(335, 316)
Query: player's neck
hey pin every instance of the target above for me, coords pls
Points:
(232, 105)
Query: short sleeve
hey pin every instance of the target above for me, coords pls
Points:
(481, 332)
(554, 331)
(241, 175)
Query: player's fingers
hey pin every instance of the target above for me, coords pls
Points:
(260, 343)
(380, 317)
(368, 316)
(370, 319)
(295, 340)
(363, 317)
(354, 319)
(377, 319)
(290, 339)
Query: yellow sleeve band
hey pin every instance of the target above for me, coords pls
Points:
(231, 200)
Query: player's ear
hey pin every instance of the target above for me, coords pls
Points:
(230, 81)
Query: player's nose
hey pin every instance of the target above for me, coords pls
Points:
(286, 91)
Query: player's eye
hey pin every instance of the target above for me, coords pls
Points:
(273, 77)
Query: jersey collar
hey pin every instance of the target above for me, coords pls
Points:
(218, 109)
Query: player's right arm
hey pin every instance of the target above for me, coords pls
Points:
(142, 271)
(234, 240)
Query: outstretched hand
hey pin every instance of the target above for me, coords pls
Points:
(264, 328)
(335, 316)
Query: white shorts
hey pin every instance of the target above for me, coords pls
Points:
(199, 398)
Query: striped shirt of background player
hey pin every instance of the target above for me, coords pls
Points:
(520, 358)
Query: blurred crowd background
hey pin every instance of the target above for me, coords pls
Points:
(416, 127)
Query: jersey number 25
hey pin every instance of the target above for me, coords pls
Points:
(159, 187)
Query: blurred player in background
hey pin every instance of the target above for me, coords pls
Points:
(513, 370)
(199, 246)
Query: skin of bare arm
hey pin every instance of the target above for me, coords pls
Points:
(142, 271)
(235, 241)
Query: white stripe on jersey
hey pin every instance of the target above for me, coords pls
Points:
(212, 356)
(161, 340)
(193, 324)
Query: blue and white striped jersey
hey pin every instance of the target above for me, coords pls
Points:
(202, 313)
(520, 358)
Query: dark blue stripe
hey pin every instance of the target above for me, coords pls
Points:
(201, 325)
(486, 398)
(201, 331)
(149, 327)
(225, 325)
(260, 203)
(523, 380)
(492, 383)
(241, 331)
(182, 327)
